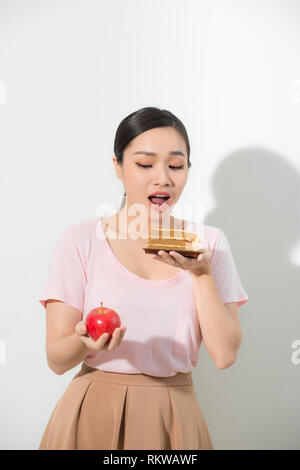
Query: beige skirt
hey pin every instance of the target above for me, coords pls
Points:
(113, 411)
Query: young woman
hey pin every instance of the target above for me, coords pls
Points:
(137, 391)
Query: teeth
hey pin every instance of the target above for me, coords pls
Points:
(158, 195)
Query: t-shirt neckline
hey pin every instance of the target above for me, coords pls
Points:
(149, 282)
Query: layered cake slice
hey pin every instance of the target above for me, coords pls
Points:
(182, 241)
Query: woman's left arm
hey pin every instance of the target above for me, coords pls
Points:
(219, 322)
(220, 325)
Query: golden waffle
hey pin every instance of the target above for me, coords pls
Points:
(180, 240)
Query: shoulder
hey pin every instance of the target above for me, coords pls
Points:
(83, 233)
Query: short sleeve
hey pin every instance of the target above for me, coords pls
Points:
(225, 273)
(66, 276)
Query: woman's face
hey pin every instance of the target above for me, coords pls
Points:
(165, 171)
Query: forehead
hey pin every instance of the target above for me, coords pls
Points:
(159, 140)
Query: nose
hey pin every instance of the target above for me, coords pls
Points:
(163, 176)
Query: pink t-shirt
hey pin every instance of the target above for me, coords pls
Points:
(163, 336)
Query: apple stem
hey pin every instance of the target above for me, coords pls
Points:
(101, 304)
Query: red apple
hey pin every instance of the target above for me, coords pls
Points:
(102, 320)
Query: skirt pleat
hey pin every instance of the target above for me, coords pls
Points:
(113, 411)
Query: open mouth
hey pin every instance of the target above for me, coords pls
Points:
(158, 199)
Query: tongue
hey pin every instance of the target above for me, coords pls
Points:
(158, 200)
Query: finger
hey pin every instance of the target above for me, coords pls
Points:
(162, 253)
(204, 256)
(122, 334)
(102, 341)
(88, 341)
(178, 257)
(166, 257)
(96, 345)
(115, 339)
(184, 262)
(159, 258)
(118, 337)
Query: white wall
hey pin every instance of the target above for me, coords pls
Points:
(230, 70)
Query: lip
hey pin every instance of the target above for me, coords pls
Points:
(160, 208)
(164, 193)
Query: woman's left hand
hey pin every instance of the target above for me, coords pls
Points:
(198, 266)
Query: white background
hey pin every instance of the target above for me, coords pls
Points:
(70, 71)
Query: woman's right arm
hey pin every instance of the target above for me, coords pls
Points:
(67, 343)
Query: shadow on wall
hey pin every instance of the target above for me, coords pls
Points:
(254, 403)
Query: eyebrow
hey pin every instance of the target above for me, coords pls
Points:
(152, 154)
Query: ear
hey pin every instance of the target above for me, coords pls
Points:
(117, 167)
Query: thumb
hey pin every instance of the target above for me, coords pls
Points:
(80, 328)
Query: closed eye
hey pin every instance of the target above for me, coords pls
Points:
(149, 166)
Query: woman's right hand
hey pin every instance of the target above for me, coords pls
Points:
(101, 343)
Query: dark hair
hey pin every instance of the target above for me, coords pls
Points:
(140, 121)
